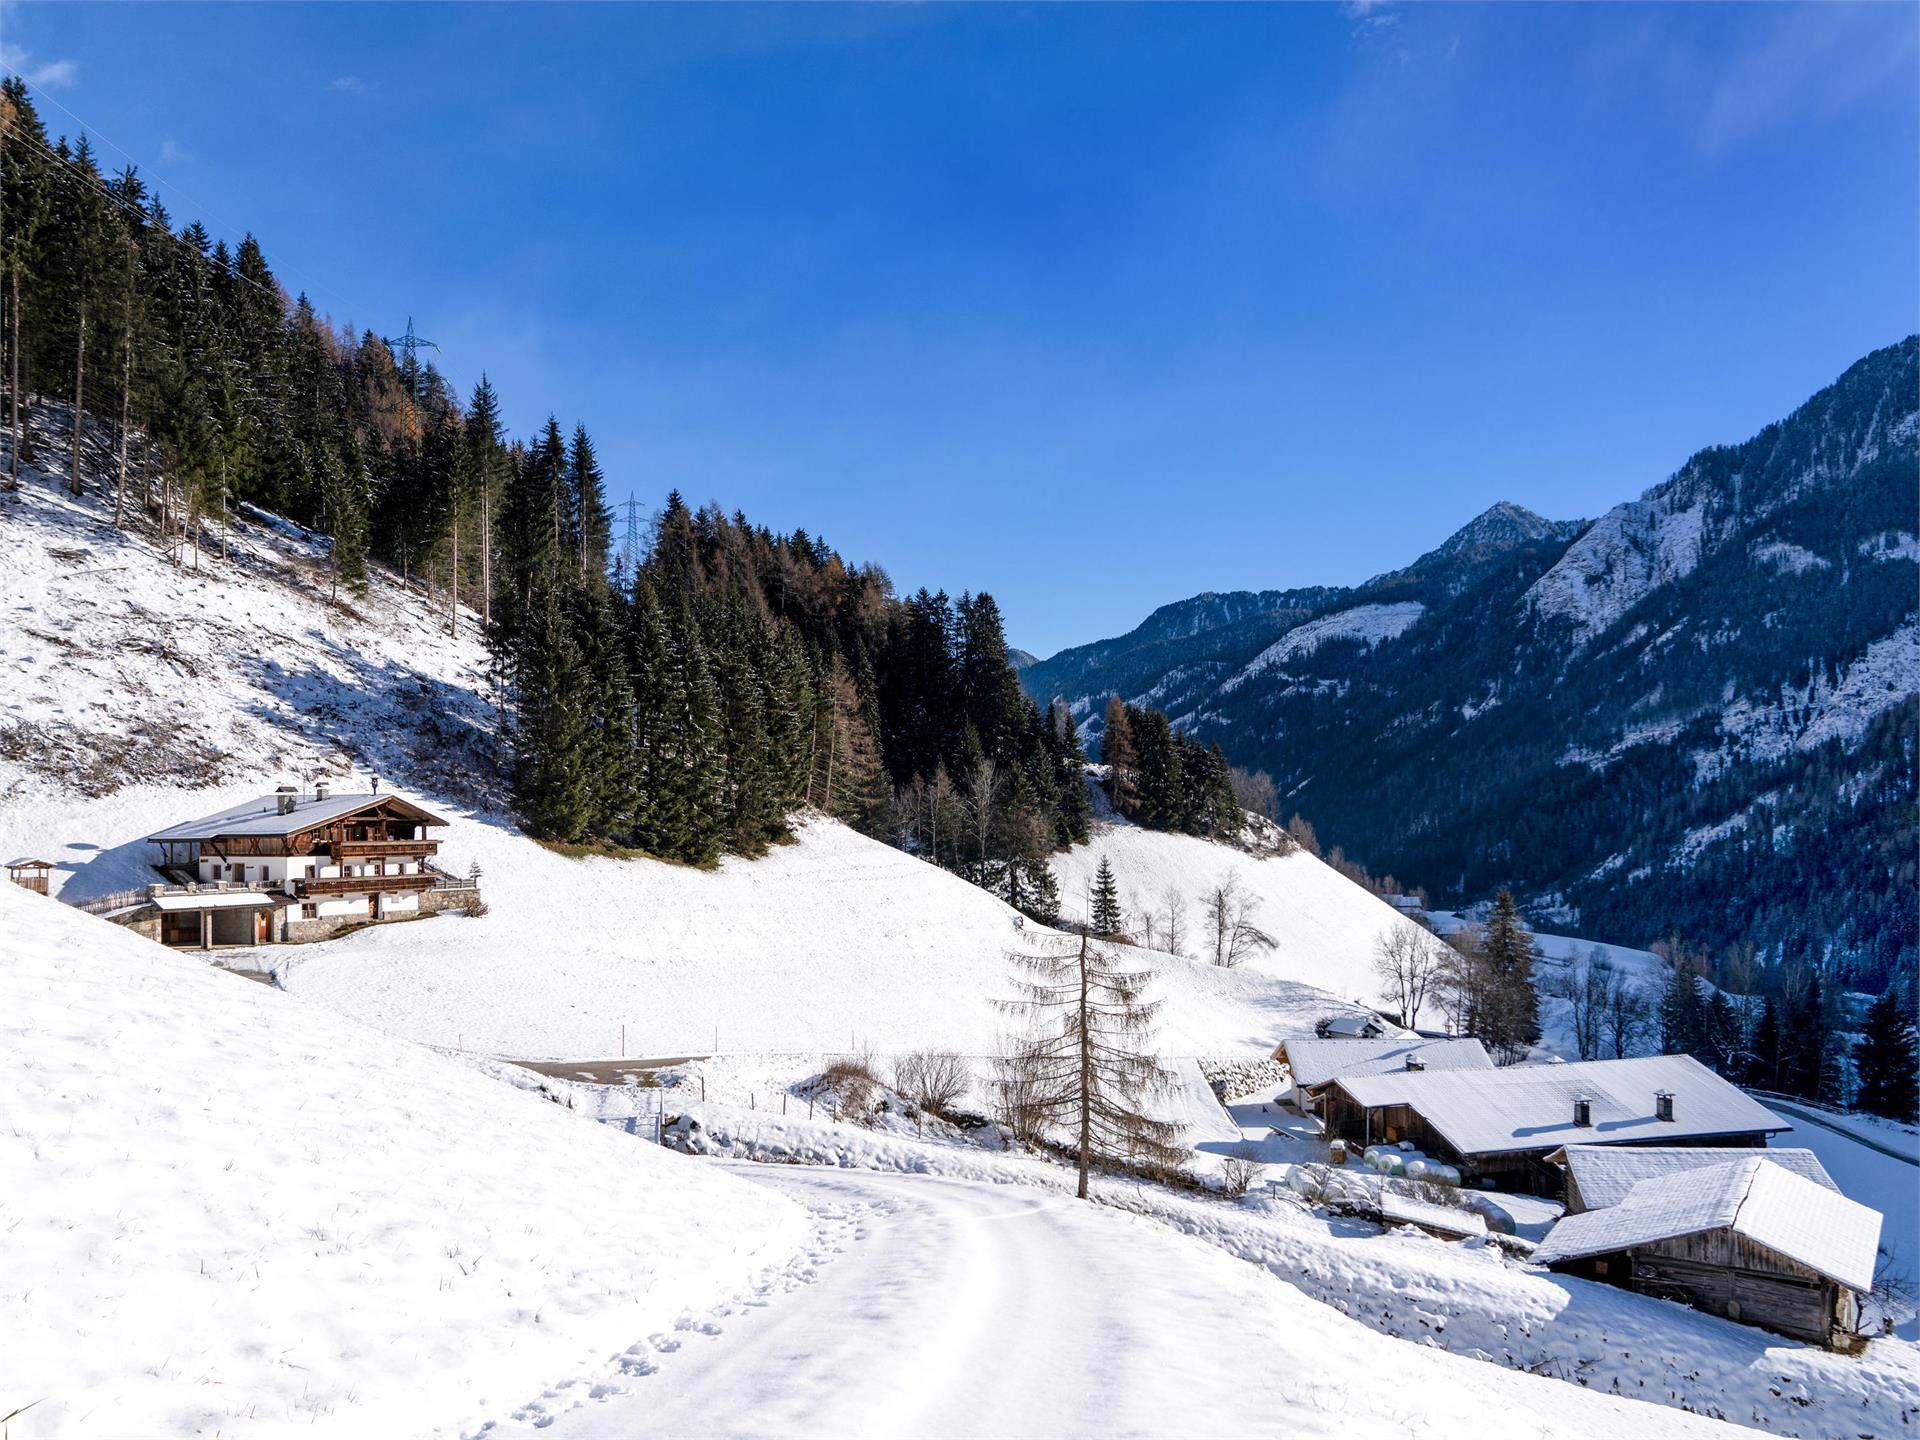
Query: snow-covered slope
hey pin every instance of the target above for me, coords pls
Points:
(1365, 625)
(226, 1211)
(142, 694)
(1325, 925)
(118, 667)
(833, 942)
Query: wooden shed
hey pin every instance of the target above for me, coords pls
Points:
(1747, 1240)
(34, 875)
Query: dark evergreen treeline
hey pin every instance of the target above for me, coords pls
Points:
(686, 705)
(209, 387)
(1795, 1039)
(1163, 779)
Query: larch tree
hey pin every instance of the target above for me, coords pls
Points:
(1080, 1070)
(1121, 758)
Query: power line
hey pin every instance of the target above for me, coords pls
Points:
(160, 179)
(278, 297)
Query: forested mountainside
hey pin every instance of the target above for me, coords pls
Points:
(1693, 716)
(684, 700)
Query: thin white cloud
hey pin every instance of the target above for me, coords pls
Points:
(48, 75)
(1369, 15)
(1805, 64)
(348, 84)
(173, 152)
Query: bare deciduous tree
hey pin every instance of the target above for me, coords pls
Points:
(1254, 791)
(932, 1079)
(1408, 961)
(1587, 987)
(1176, 929)
(1628, 1012)
(1083, 1065)
(1239, 1172)
(1228, 911)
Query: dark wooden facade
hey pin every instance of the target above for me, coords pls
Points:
(385, 829)
(1520, 1171)
(1726, 1274)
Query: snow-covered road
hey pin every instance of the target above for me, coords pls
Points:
(932, 1307)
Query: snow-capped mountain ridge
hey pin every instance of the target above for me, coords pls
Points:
(1741, 634)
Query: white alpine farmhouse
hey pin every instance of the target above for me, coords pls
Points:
(295, 866)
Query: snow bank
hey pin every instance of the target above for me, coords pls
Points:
(225, 1210)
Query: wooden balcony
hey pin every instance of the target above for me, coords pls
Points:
(367, 884)
(379, 849)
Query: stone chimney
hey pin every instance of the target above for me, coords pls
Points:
(285, 798)
(1583, 1112)
(1663, 1105)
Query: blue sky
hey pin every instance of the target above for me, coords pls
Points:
(1092, 307)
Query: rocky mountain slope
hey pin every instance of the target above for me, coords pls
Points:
(1694, 714)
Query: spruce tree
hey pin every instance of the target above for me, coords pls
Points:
(1070, 779)
(659, 799)
(1764, 1049)
(1104, 914)
(490, 470)
(1509, 951)
(1887, 1059)
(25, 200)
(592, 521)
(696, 769)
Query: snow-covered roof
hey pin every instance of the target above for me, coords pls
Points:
(1530, 1107)
(214, 900)
(263, 817)
(1767, 1203)
(29, 864)
(1362, 1026)
(1315, 1061)
(1605, 1173)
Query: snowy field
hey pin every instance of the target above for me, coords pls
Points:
(226, 1211)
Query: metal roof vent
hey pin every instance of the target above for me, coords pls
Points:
(1583, 1112)
(1414, 1062)
(1663, 1105)
(322, 789)
(285, 797)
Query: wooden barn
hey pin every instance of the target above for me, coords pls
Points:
(1745, 1239)
(1500, 1126)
